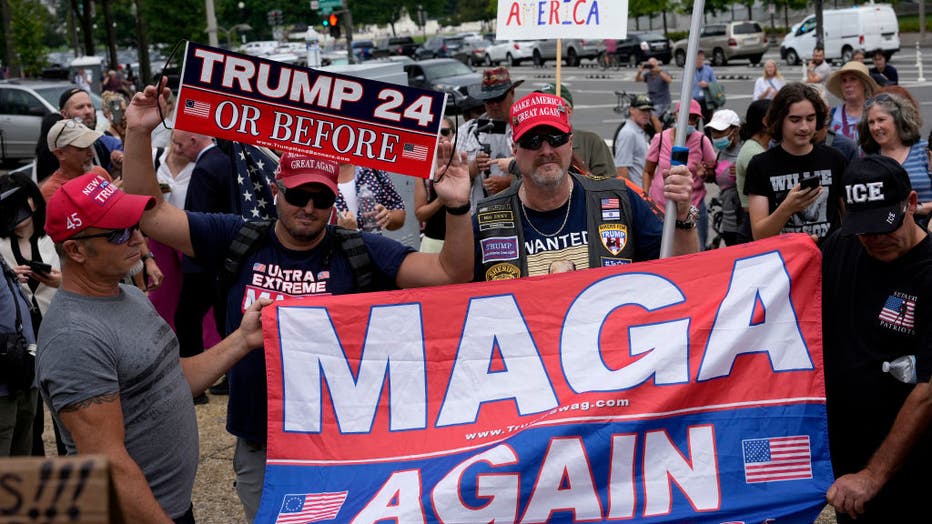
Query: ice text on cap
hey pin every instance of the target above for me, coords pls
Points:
(870, 192)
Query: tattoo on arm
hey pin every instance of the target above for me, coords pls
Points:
(102, 399)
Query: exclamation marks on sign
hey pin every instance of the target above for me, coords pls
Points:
(45, 473)
(83, 474)
(63, 477)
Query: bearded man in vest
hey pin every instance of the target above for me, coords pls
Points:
(558, 213)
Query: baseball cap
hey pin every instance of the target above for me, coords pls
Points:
(875, 190)
(71, 132)
(723, 119)
(551, 89)
(642, 102)
(296, 170)
(694, 108)
(539, 109)
(67, 94)
(91, 200)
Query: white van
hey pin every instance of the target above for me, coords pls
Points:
(870, 27)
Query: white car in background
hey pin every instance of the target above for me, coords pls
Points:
(259, 48)
(509, 52)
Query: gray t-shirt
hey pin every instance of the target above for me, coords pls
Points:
(500, 144)
(92, 346)
(631, 150)
(658, 91)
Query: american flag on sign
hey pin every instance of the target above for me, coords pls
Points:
(414, 152)
(195, 108)
(899, 311)
(777, 458)
(310, 507)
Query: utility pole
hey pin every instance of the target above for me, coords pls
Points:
(211, 24)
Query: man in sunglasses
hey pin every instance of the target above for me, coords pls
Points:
(877, 323)
(300, 255)
(554, 213)
(487, 139)
(108, 365)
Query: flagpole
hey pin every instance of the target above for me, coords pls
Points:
(682, 119)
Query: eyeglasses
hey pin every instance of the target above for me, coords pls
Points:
(69, 124)
(533, 142)
(299, 198)
(446, 131)
(881, 97)
(115, 236)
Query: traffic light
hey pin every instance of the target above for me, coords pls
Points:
(334, 25)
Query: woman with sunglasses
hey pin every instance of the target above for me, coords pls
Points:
(427, 207)
(891, 128)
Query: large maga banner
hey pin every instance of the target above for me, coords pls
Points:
(290, 108)
(683, 390)
(546, 19)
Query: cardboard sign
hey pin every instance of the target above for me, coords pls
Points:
(688, 389)
(60, 490)
(548, 19)
(290, 108)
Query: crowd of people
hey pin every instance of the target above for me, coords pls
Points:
(133, 269)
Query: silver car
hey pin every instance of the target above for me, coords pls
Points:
(574, 50)
(23, 105)
(729, 41)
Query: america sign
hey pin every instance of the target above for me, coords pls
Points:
(683, 390)
(290, 108)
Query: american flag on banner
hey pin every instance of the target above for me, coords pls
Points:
(777, 458)
(254, 174)
(414, 152)
(195, 108)
(899, 311)
(310, 507)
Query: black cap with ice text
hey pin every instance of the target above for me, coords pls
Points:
(876, 189)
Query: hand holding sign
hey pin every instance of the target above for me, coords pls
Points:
(143, 113)
(452, 177)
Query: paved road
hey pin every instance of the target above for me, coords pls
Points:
(593, 90)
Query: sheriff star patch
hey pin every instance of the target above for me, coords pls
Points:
(614, 237)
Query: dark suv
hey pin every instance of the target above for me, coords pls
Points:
(439, 47)
(394, 46)
(638, 47)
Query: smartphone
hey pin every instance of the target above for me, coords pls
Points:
(811, 181)
(116, 112)
(492, 127)
(39, 267)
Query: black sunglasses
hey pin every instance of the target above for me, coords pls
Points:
(70, 123)
(299, 198)
(533, 142)
(446, 131)
(115, 236)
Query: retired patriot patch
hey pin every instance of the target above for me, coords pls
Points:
(614, 237)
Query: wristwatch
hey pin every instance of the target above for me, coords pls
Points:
(690, 223)
(459, 210)
(147, 256)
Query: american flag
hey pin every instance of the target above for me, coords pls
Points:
(899, 311)
(777, 458)
(310, 507)
(610, 203)
(414, 152)
(254, 173)
(195, 108)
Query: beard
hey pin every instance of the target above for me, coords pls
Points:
(550, 178)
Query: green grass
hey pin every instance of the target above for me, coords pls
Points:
(910, 23)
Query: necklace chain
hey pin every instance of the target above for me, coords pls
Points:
(569, 204)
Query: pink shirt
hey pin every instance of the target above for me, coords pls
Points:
(700, 150)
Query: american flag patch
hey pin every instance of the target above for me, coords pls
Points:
(258, 267)
(195, 108)
(899, 311)
(777, 458)
(414, 152)
(310, 507)
(609, 203)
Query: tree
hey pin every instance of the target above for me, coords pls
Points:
(28, 19)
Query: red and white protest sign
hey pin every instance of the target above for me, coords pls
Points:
(290, 108)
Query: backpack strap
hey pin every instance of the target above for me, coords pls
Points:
(354, 249)
(246, 241)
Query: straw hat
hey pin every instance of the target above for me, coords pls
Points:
(833, 84)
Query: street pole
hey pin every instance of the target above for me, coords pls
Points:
(211, 23)
(347, 19)
(820, 29)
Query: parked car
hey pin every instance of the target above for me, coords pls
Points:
(511, 52)
(638, 47)
(869, 27)
(362, 49)
(259, 48)
(394, 46)
(729, 41)
(439, 47)
(574, 50)
(473, 50)
(23, 104)
(444, 74)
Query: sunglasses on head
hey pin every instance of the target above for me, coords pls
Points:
(114, 236)
(71, 123)
(299, 198)
(533, 142)
(446, 131)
